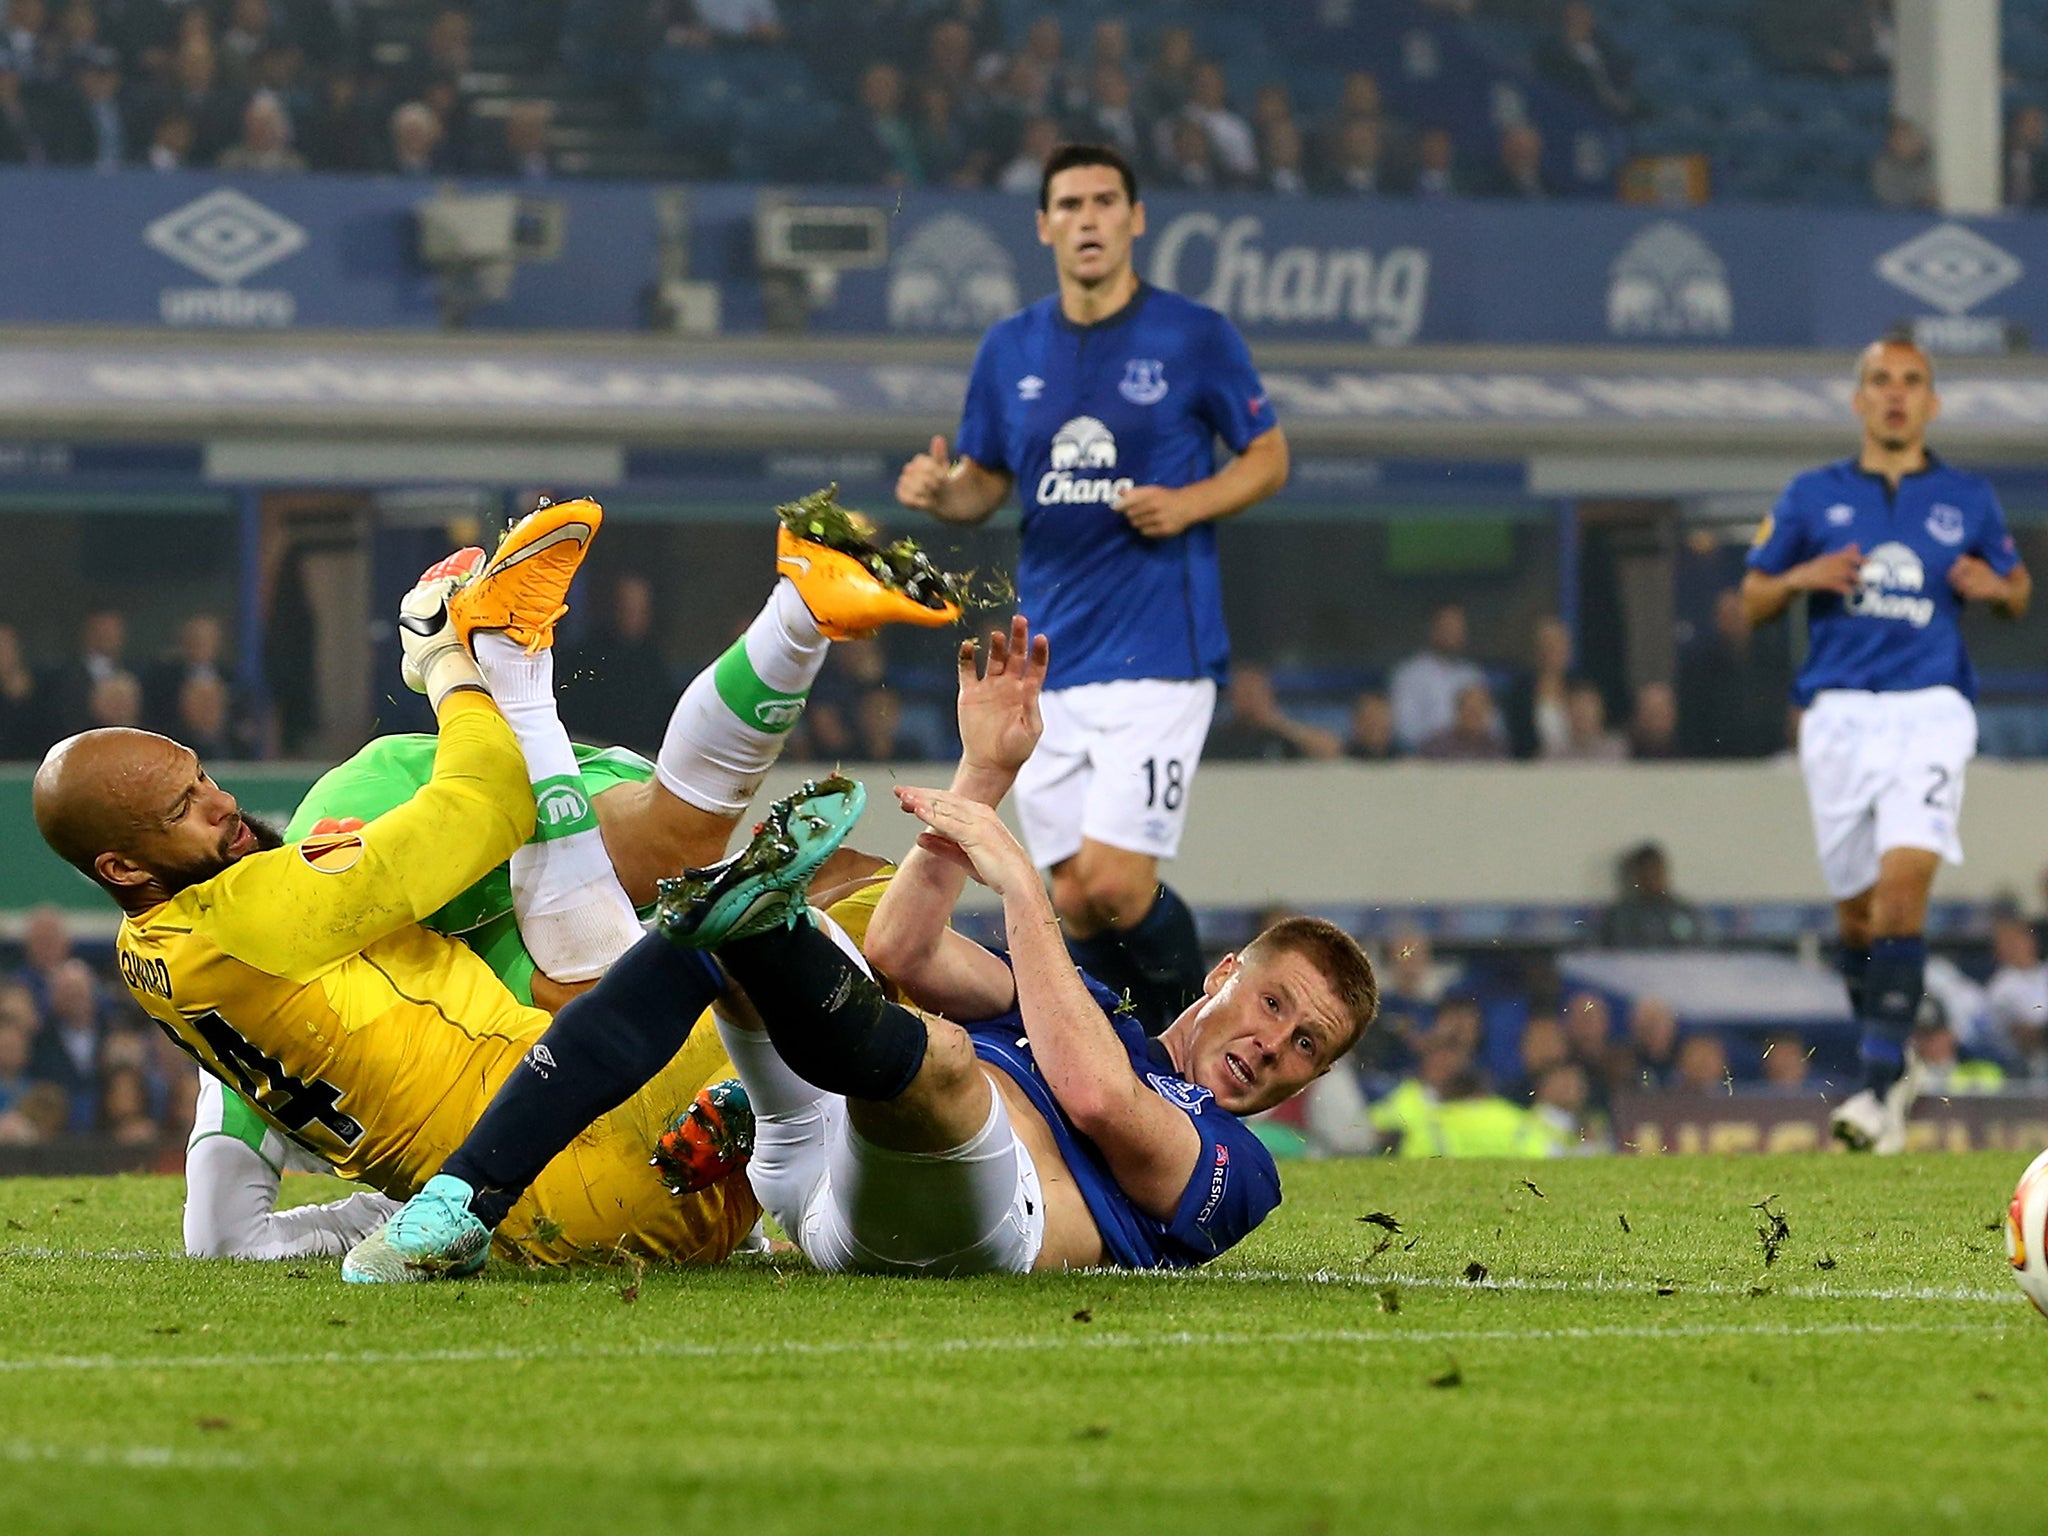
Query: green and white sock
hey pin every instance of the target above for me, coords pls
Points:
(729, 726)
(573, 914)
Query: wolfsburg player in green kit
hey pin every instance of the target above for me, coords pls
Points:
(390, 770)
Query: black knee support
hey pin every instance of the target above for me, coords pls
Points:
(828, 1020)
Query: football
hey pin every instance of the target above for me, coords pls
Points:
(2026, 1242)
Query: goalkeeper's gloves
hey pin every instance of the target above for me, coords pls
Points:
(437, 663)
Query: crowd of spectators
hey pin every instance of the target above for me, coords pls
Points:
(78, 1061)
(190, 693)
(1729, 700)
(932, 97)
(1420, 1085)
(931, 94)
(254, 86)
(949, 107)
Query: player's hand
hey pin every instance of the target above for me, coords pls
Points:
(1974, 581)
(924, 478)
(436, 661)
(1840, 573)
(970, 834)
(1157, 511)
(999, 719)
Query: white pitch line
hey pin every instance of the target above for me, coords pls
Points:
(1077, 1340)
(1599, 1285)
(142, 1457)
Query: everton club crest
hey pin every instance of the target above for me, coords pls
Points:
(1144, 381)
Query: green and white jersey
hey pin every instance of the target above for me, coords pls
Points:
(223, 1112)
(390, 771)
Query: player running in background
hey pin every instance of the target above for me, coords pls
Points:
(1103, 403)
(301, 973)
(1888, 546)
(1048, 1133)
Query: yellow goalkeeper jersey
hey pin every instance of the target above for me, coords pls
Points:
(301, 977)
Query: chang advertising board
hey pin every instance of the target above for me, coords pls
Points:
(1232, 263)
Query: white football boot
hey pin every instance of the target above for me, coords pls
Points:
(1868, 1122)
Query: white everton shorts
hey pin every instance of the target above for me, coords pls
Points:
(850, 1205)
(1116, 765)
(1884, 771)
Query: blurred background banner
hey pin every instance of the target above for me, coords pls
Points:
(188, 250)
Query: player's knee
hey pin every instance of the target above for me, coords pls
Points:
(1116, 893)
(1070, 898)
(214, 1245)
(950, 1064)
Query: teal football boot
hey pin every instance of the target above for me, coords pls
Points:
(432, 1237)
(763, 886)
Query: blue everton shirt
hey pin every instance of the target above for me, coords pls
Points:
(1899, 629)
(1234, 1187)
(1079, 414)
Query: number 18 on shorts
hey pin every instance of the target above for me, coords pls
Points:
(1116, 765)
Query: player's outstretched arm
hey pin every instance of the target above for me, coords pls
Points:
(909, 940)
(231, 1209)
(1151, 1147)
(952, 490)
(1160, 512)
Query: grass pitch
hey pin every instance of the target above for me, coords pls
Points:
(1613, 1353)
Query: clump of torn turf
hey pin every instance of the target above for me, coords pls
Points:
(900, 564)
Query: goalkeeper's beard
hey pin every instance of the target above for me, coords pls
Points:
(176, 877)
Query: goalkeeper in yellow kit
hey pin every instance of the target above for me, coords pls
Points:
(302, 974)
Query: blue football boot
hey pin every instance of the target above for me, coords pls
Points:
(433, 1236)
(763, 886)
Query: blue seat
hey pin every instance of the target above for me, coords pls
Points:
(785, 141)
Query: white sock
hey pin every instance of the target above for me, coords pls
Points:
(573, 914)
(729, 725)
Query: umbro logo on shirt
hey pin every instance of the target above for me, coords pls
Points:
(541, 1059)
(1030, 387)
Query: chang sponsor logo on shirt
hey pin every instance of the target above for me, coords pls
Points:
(1082, 444)
(1384, 293)
(1893, 579)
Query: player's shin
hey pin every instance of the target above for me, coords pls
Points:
(1853, 962)
(1893, 984)
(830, 1023)
(1157, 961)
(729, 726)
(574, 916)
(601, 1049)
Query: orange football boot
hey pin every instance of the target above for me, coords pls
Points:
(851, 584)
(522, 589)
